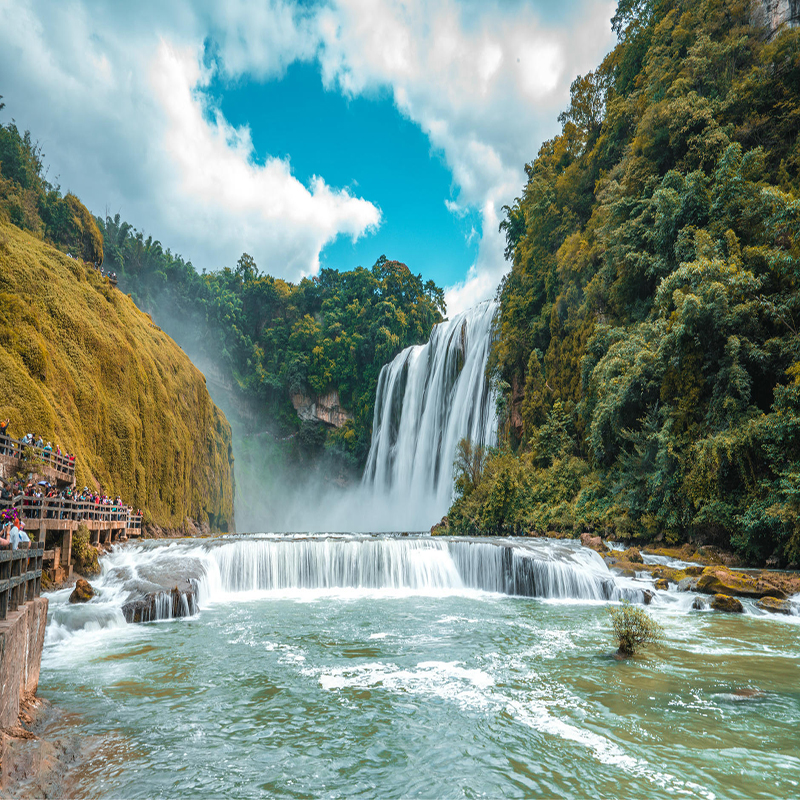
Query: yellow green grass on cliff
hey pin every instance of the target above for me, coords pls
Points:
(81, 365)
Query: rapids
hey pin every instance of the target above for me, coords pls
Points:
(347, 666)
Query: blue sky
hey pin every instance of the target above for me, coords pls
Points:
(365, 144)
(307, 134)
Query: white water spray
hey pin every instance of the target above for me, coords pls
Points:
(429, 398)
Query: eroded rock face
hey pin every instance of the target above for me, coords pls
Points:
(180, 601)
(723, 602)
(593, 542)
(325, 408)
(82, 593)
(774, 605)
(719, 580)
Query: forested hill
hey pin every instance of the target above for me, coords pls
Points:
(270, 340)
(81, 366)
(648, 340)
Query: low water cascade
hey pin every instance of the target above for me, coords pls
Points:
(154, 582)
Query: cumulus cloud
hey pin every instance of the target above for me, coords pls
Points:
(120, 88)
(135, 132)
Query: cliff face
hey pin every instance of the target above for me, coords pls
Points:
(81, 365)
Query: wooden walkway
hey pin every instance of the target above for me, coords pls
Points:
(58, 468)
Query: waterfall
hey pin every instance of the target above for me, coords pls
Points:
(154, 581)
(429, 398)
(414, 565)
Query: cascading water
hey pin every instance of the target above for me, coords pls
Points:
(143, 577)
(429, 398)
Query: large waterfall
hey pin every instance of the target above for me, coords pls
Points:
(429, 398)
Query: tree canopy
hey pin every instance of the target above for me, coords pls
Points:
(648, 327)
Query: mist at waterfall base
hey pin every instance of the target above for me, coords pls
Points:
(428, 398)
(355, 666)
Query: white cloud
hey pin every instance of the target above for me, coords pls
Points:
(133, 131)
(118, 90)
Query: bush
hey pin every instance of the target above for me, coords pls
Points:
(633, 628)
(84, 555)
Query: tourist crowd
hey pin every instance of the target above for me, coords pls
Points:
(12, 530)
(11, 448)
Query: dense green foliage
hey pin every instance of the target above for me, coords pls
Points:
(30, 202)
(272, 339)
(648, 340)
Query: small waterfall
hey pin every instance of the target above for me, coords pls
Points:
(429, 398)
(420, 565)
(152, 581)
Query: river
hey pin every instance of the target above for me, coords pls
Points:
(378, 667)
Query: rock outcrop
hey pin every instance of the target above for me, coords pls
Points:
(723, 602)
(774, 605)
(180, 601)
(324, 408)
(82, 593)
(774, 13)
(719, 580)
(593, 542)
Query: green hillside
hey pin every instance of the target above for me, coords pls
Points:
(648, 348)
(83, 367)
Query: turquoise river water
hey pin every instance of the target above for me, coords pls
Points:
(319, 668)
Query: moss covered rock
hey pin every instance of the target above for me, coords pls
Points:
(81, 365)
(662, 584)
(82, 593)
(723, 602)
(719, 580)
(774, 605)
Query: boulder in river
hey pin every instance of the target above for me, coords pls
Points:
(774, 605)
(82, 593)
(698, 604)
(179, 601)
(662, 584)
(687, 584)
(724, 602)
(633, 554)
(593, 542)
(720, 580)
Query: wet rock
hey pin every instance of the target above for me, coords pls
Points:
(633, 554)
(719, 580)
(662, 584)
(723, 602)
(774, 605)
(82, 593)
(593, 542)
(441, 528)
(699, 604)
(178, 602)
(687, 585)
(647, 597)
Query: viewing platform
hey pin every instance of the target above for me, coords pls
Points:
(50, 522)
(20, 577)
(54, 467)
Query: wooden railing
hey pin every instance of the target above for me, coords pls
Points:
(63, 466)
(59, 508)
(20, 577)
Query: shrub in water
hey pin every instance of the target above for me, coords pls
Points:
(633, 628)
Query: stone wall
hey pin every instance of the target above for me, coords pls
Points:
(21, 643)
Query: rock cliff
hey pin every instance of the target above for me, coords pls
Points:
(83, 367)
